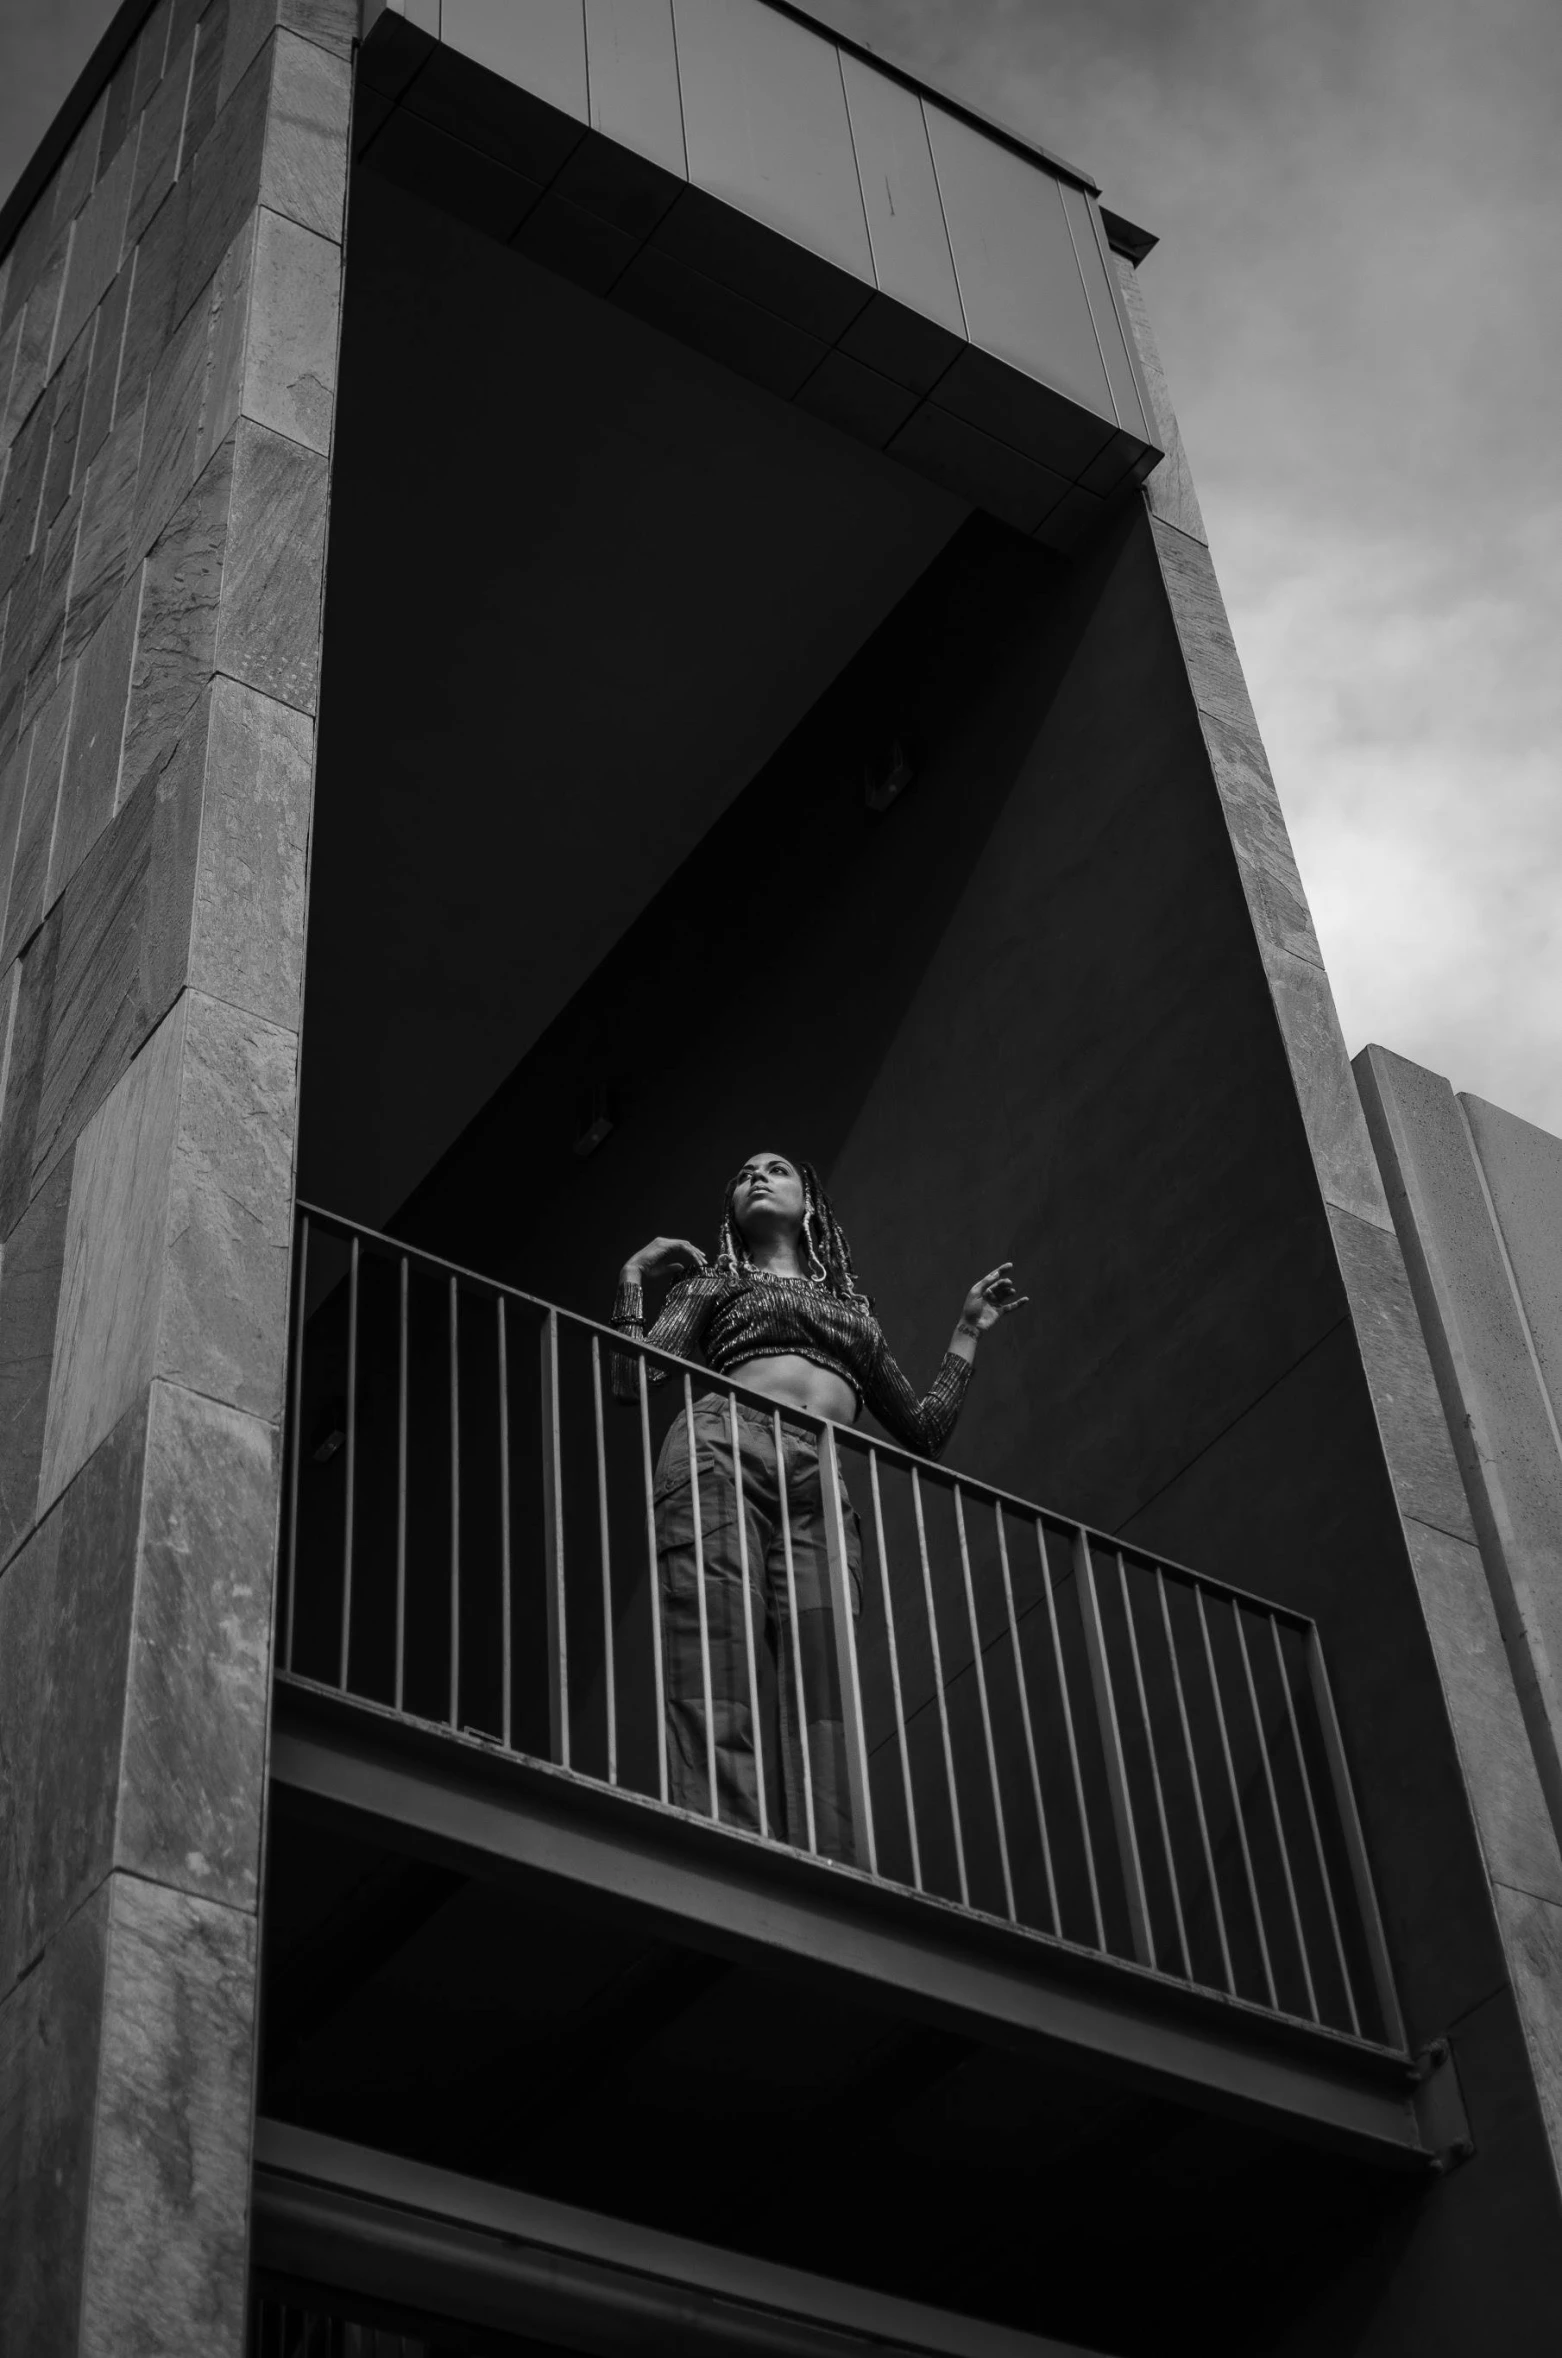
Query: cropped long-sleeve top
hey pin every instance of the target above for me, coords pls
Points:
(725, 1317)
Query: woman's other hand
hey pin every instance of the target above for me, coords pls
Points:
(991, 1298)
(664, 1256)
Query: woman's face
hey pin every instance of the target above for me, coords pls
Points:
(768, 1198)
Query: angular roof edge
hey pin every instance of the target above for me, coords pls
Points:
(126, 23)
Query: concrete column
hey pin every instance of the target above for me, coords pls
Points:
(167, 368)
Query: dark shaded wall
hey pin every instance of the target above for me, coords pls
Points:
(1024, 1014)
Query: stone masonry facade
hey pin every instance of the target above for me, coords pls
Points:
(168, 331)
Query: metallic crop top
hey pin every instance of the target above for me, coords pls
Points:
(727, 1316)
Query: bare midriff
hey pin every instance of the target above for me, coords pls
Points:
(797, 1383)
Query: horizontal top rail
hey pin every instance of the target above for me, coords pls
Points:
(889, 1452)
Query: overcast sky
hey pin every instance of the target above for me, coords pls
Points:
(1358, 296)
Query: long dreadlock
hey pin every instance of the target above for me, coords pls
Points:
(825, 1253)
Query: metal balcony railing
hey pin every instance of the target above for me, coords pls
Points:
(1040, 1722)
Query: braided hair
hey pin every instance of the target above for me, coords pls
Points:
(825, 1254)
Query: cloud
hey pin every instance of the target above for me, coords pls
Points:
(1357, 301)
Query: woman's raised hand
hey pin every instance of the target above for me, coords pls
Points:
(664, 1256)
(991, 1298)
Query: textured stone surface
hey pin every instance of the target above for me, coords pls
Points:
(229, 339)
(289, 380)
(194, 1751)
(30, 1282)
(29, 895)
(65, 1638)
(29, 1042)
(1404, 1388)
(1523, 1171)
(98, 244)
(173, 426)
(151, 314)
(1260, 838)
(115, 1237)
(1169, 490)
(269, 632)
(70, 394)
(1320, 1068)
(35, 343)
(224, 1312)
(13, 660)
(164, 2269)
(305, 170)
(329, 24)
(23, 490)
(248, 936)
(1532, 1935)
(157, 149)
(108, 342)
(1517, 1836)
(205, 79)
(48, 2083)
(1209, 651)
(108, 500)
(225, 180)
(91, 773)
(1493, 1400)
(177, 632)
(124, 942)
(43, 654)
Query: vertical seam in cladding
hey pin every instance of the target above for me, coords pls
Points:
(938, 190)
(862, 194)
(585, 59)
(1124, 325)
(1513, 1283)
(683, 117)
(1090, 311)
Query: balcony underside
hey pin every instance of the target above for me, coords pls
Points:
(493, 1967)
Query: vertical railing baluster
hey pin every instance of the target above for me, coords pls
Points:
(609, 1681)
(553, 1545)
(1326, 1879)
(1023, 1685)
(1112, 1751)
(1198, 1789)
(1155, 1768)
(403, 1290)
(1073, 1740)
(938, 1688)
(853, 1731)
(741, 1511)
(981, 1695)
(1355, 1844)
(894, 1671)
(797, 1642)
(1274, 1811)
(1236, 1801)
(455, 1510)
(352, 1464)
(658, 1674)
(506, 1575)
(699, 1591)
(300, 1315)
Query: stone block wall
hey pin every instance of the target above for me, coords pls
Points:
(168, 331)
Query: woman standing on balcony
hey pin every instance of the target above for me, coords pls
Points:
(782, 1303)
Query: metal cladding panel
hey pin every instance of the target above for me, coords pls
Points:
(541, 45)
(979, 468)
(911, 254)
(766, 127)
(1146, 415)
(632, 75)
(1020, 283)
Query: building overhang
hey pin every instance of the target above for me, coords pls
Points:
(729, 172)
